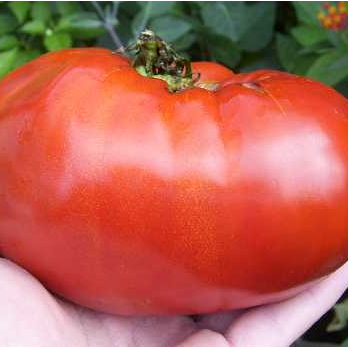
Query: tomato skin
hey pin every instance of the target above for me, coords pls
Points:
(123, 197)
(210, 71)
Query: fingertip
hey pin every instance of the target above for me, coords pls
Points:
(280, 324)
(205, 338)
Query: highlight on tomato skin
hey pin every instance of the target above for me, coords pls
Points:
(134, 192)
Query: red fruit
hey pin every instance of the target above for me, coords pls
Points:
(126, 198)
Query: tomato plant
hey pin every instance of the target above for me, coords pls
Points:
(229, 191)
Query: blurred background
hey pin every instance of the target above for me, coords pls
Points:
(302, 37)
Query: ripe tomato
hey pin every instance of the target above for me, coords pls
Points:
(124, 197)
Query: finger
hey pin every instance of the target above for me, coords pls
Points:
(205, 338)
(219, 321)
(29, 314)
(282, 323)
(150, 331)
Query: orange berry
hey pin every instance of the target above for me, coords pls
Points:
(342, 7)
(336, 18)
(327, 22)
(332, 9)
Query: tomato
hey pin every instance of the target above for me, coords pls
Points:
(124, 197)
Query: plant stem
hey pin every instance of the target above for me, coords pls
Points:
(98, 8)
(115, 5)
(157, 59)
(115, 38)
(108, 26)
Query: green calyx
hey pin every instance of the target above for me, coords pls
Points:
(157, 59)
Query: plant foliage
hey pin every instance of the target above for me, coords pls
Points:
(293, 36)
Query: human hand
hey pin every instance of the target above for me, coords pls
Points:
(31, 316)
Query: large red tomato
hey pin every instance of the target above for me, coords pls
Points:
(124, 197)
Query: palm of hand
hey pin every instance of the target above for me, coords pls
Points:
(30, 315)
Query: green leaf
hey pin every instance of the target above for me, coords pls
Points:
(259, 23)
(345, 343)
(307, 11)
(303, 63)
(291, 57)
(149, 10)
(7, 42)
(342, 87)
(338, 39)
(129, 8)
(261, 60)
(309, 35)
(223, 49)
(124, 30)
(334, 38)
(6, 61)
(7, 23)
(287, 49)
(139, 23)
(34, 27)
(65, 8)
(185, 42)
(20, 9)
(340, 320)
(157, 8)
(330, 68)
(41, 11)
(251, 25)
(57, 41)
(200, 4)
(24, 57)
(225, 18)
(82, 25)
(163, 26)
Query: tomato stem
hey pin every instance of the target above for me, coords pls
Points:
(157, 59)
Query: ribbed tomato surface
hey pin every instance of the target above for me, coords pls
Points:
(124, 197)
